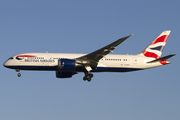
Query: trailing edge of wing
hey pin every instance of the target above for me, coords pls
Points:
(162, 58)
(98, 54)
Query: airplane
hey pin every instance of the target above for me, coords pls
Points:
(66, 65)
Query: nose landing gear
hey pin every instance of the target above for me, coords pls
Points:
(19, 74)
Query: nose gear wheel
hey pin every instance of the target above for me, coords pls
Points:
(19, 74)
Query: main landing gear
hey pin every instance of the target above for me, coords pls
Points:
(19, 74)
(87, 76)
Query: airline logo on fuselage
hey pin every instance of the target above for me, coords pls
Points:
(33, 58)
(21, 57)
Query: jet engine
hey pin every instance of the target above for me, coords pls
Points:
(66, 64)
(60, 74)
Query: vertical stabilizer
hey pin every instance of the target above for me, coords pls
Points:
(154, 50)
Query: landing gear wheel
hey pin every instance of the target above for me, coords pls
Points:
(85, 78)
(89, 79)
(90, 75)
(19, 74)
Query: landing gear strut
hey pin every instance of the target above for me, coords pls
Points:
(87, 76)
(19, 74)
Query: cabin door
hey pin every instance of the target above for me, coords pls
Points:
(134, 61)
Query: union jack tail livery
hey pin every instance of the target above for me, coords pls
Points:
(154, 50)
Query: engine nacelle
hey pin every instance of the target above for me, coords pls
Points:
(66, 64)
(60, 74)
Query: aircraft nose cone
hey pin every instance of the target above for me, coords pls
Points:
(5, 64)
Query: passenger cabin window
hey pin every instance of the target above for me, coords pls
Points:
(125, 59)
(113, 59)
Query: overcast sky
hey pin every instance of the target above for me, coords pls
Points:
(69, 26)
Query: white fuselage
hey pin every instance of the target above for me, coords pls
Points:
(109, 63)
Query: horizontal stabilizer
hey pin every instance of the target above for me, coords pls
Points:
(162, 58)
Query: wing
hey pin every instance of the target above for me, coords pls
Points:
(91, 60)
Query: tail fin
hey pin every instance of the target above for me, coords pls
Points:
(154, 50)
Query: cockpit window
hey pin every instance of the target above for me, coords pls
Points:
(10, 58)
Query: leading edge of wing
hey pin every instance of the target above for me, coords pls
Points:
(100, 53)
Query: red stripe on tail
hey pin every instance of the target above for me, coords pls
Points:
(160, 39)
(150, 54)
